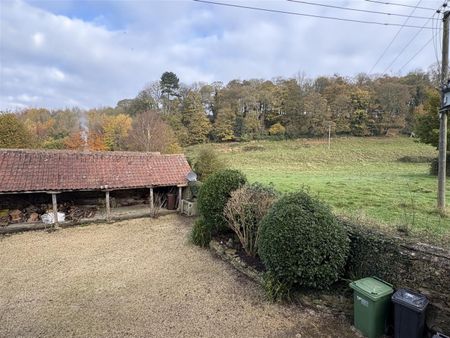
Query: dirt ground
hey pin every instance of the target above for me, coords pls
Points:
(137, 278)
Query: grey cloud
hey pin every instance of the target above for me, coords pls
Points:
(55, 61)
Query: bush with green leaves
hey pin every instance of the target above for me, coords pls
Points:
(277, 129)
(244, 211)
(206, 163)
(194, 188)
(201, 233)
(301, 242)
(215, 193)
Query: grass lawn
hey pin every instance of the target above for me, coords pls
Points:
(359, 177)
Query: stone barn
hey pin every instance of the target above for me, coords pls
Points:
(83, 184)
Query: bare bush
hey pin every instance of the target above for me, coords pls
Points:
(244, 211)
(158, 202)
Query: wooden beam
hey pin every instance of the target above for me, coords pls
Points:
(151, 201)
(180, 196)
(108, 207)
(13, 228)
(77, 190)
(55, 210)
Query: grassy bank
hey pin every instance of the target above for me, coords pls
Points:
(359, 177)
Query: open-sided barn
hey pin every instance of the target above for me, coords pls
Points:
(58, 172)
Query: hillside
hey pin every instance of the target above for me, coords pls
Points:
(359, 177)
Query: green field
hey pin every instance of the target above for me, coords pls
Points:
(359, 177)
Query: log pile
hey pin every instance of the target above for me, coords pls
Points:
(33, 213)
(75, 213)
(4, 217)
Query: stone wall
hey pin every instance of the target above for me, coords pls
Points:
(419, 267)
(404, 264)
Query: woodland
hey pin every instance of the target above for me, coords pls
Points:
(167, 115)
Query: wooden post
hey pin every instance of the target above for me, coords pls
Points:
(180, 196)
(55, 210)
(152, 202)
(108, 207)
(329, 136)
(443, 120)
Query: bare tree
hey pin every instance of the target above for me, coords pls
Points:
(150, 133)
(155, 91)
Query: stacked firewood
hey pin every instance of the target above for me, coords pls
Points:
(33, 213)
(76, 213)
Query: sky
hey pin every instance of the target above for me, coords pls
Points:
(64, 53)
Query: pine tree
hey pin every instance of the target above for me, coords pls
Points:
(194, 119)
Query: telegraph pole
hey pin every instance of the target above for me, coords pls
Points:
(329, 135)
(443, 119)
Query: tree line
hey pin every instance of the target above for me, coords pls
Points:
(167, 114)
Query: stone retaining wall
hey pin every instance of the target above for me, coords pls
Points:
(420, 267)
(404, 264)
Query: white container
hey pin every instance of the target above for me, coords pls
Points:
(189, 208)
(48, 218)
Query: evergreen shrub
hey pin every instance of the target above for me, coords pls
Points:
(301, 242)
(214, 194)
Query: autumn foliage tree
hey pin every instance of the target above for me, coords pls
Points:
(75, 142)
(247, 109)
(13, 133)
(39, 122)
(115, 131)
(107, 131)
(223, 128)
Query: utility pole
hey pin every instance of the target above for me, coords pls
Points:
(329, 135)
(443, 119)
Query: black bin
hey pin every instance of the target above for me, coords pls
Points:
(439, 335)
(409, 314)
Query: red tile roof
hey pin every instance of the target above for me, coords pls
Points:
(58, 170)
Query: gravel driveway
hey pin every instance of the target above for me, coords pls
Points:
(137, 278)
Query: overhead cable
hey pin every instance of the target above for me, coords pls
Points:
(398, 4)
(359, 10)
(393, 39)
(309, 15)
(407, 45)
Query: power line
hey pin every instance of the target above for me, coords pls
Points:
(436, 31)
(418, 52)
(359, 10)
(408, 44)
(397, 4)
(308, 15)
(395, 37)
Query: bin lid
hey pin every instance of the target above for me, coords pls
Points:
(413, 300)
(371, 287)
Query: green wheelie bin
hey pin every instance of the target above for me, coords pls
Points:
(372, 299)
